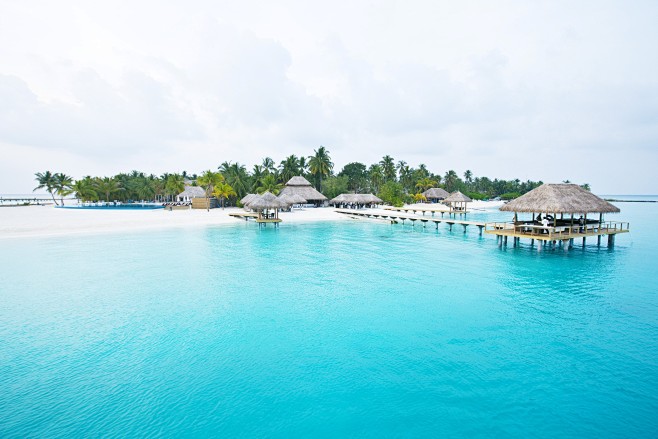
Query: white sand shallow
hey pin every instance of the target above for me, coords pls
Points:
(44, 221)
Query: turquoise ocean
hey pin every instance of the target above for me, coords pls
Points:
(334, 329)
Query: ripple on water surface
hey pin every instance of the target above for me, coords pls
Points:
(324, 329)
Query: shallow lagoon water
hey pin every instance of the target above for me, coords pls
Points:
(329, 329)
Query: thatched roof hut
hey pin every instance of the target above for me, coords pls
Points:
(266, 201)
(457, 201)
(559, 198)
(287, 199)
(247, 199)
(191, 192)
(457, 197)
(355, 199)
(300, 186)
(436, 193)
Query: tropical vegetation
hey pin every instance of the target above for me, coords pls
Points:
(394, 182)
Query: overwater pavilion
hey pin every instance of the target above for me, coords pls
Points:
(457, 202)
(267, 206)
(554, 208)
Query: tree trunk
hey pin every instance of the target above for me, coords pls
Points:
(54, 199)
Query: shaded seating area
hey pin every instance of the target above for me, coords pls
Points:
(554, 212)
(300, 186)
(355, 201)
(457, 201)
(267, 207)
(435, 195)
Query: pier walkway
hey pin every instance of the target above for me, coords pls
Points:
(395, 217)
(424, 209)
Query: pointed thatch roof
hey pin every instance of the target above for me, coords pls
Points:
(287, 199)
(266, 201)
(370, 198)
(436, 193)
(247, 198)
(356, 198)
(300, 186)
(559, 198)
(457, 197)
(296, 198)
(192, 192)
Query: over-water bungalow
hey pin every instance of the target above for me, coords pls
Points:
(435, 194)
(559, 213)
(457, 202)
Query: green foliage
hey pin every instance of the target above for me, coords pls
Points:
(269, 183)
(476, 195)
(392, 193)
(509, 195)
(357, 176)
(320, 165)
(334, 186)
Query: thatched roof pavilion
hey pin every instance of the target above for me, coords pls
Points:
(356, 199)
(191, 192)
(264, 203)
(457, 201)
(559, 198)
(247, 199)
(550, 200)
(436, 194)
(300, 186)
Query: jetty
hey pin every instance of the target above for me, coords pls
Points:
(394, 217)
(558, 203)
(427, 209)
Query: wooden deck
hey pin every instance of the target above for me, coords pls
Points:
(423, 209)
(254, 216)
(395, 217)
(559, 233)
(244, 215)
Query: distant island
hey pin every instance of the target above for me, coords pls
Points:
(394, 182)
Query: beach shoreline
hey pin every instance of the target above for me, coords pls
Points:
(49, 221)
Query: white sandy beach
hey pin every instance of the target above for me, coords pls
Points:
(44, 221)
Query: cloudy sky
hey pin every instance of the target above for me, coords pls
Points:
(510, 89)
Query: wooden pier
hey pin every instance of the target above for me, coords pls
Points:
(424, 209)
(566, 233)
(254, 216)
(424, 220)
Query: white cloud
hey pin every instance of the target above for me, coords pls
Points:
(103, 88)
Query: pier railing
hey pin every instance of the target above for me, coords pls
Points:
(557, 232)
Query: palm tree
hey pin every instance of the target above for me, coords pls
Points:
(289, 168)
(257, 175)
(468, 177)
(320, 165)
(223, 190)
(174, 185)
(144, 188)
(451, 180)
(236, 176)
(303, 166)
(269, 165)
(208, 181)
(406, 177)
(425, 183)
(401, 164)
(84, 189)
(63, 185)
(269, 183)
(388, 168)
(46, 181)
(376, 177)
(107, 186)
